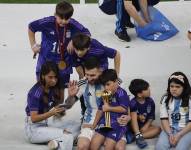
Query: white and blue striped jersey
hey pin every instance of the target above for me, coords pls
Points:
(177, 115)
(92, 100)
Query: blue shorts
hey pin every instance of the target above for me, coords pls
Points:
(115, 134)
(64, 80)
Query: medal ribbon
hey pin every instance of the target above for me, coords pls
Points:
(61, 41)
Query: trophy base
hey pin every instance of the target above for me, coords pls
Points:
(106, 128)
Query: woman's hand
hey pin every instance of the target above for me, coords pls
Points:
(57, 110)
(72, 88)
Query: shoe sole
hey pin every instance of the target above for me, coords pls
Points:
(53, 145)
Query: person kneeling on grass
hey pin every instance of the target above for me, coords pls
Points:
(142, 112)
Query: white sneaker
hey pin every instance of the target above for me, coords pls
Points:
(53, 145)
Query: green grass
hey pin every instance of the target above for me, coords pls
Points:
(50, 1)
(36, 1)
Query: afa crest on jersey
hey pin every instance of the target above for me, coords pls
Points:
(149, 109)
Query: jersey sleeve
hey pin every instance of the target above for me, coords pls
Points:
(79, 27)
(33, 103)
(109, 52)
(152, 113)
(133, 106)
(37, 25)
(82, 85)
(123, 99)
(163, 109)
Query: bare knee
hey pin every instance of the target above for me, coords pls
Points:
(121, 145)
(83, 145)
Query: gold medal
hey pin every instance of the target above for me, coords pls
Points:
(62, 65)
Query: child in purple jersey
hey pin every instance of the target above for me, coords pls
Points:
(85, 47)
(142, 112)
(41, 105)
(57, 32)
(119, 105)
(175, 114)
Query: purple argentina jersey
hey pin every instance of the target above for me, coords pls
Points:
(97, 50)
(49, 43)
(147, 109)
(35, 100)
(120, 98)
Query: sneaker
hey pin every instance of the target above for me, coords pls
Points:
(129, 24)
(123, 36)
(140, 141)
(53, 145)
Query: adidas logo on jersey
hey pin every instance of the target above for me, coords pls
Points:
(52, 32)
(89, 94)
(114, 134)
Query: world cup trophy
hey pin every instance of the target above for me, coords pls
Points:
(106, 96)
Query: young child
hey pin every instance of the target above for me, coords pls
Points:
(118, 106)
(41, 105)
(85, 47)
(142, 112)
(57, 32)
(175, 114)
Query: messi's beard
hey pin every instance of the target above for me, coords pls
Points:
(97, 81)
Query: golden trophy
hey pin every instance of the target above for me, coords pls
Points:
(106, 96)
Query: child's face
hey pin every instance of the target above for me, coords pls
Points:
(50, 79)
(61, 22)
(111, 86)
(145, 93)
(175, 89)
(81, 53)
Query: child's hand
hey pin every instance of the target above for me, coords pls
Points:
(176, 138)
(171, 139)
(123, 120)
(36, 48)
(70, 47)
(141, 118)
(105, 107)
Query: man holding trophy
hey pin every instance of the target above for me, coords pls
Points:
(91, 89)
(115, 102)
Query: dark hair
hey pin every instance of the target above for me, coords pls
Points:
(91, 63)
(137, 86)
(108, 75)
(64, 10)
(186, 88)
(81, 41)
(46, 68)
